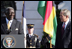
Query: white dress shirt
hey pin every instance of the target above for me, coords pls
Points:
(65, 24)
(10, 22)
(30, 35)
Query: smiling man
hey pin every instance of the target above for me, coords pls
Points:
(9, 25)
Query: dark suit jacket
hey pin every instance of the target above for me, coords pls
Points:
(65, 40)
(16, 27)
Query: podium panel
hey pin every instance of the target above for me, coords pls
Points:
(12, 41)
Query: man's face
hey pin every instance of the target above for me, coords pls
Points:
(30, 31)
(10, 14)
(62, 17)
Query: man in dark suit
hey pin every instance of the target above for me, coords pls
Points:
(63, 35)
(32, 39)
(9, 25)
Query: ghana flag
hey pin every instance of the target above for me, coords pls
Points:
(47, 10)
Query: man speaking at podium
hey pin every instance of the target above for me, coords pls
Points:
(9, 25)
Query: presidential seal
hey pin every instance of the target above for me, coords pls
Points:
(9, 42)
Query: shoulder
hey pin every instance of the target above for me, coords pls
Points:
(36, 35)
(70, 22)
(17, 22)
(3, 20)
(37, 38)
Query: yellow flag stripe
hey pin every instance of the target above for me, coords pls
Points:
(48, 27)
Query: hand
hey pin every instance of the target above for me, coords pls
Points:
(49, 35)
(25, 38)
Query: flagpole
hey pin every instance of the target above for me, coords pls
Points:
(24, 26)
(22, 15)
(22, 19)
(50, 44)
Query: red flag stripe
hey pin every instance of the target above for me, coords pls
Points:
(48, 11)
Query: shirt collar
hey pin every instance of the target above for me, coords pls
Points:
(30, 34)
(66, 22)
(8, 20)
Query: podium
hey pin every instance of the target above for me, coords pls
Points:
(12, 41)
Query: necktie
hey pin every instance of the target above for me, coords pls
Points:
(8, 25)
(30, 36)
(63, 28)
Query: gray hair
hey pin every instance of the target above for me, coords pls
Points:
(66, 12)
(9, 8)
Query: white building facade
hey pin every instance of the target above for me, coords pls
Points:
(33, 17)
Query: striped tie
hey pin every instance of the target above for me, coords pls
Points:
(8, 25)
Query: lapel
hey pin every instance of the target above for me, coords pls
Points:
(67, 27)
(28, 39)
(13, 25)
(33, 36)
(27, 36)
(4, 26)
(60, 29)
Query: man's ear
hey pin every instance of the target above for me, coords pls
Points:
(66, 16)
(14, 14)
(33, 28)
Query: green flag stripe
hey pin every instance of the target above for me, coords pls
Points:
(41, 8)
